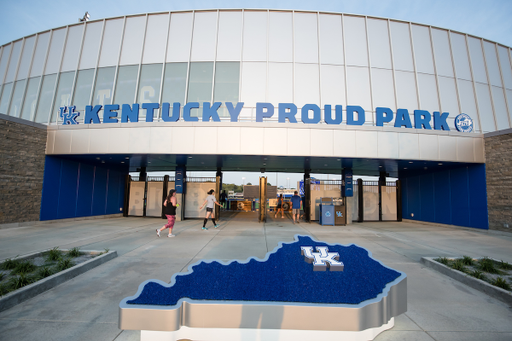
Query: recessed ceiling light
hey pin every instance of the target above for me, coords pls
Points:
(405, 167)
(380, 166)
(122, 161)
(410, 161)
(440, 163)
(127, 158)
(190, 157)
(97, 158)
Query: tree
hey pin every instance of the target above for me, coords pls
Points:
(249, 184)
(269, 184)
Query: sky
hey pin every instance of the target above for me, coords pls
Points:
(490, 19)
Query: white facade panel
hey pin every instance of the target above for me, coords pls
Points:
(204, 36)
(506, 70)
(13, 63)
(491, 60)
(448, 94)
(468, 102)
(383, 89)
(443, 58)
(183, 139)
(460, 56)
(299, 142)
(500, 108)
(254, 83)
(344, 143)
(378, 39)
(131, 50)
(180, 37)
(428, 93)
(306, 37)
(280, 83)
(229, 140)
(73, 48)
(112, 35)
(280, 37)
(98, 141)
(306, 84)
(406, 97)
(62, 143)
(479, 149)
(229, 43)
(256, 136)
(429, 147)
(409, 146)
(119, 139)
(401, 44)
(26, 58)
(367, 143)
(255, 36)
(388, 145)
(322, 142)
(206, 139)
(331, 39)
(487, 119)
(356, 50)
(138, 139)
(358, 87)
(80, 141)
(477, 60)
(422, 49)
(91, 45)
(332, 87)
(275, 140)
(156, 39)
(160, 140)
(39, 55)
(465, 149)
(447, 148)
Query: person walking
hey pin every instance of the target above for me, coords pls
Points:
(170, 212)
(296, 206)
(210, 203)
(279, 206)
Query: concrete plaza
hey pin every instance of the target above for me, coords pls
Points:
(86, 307)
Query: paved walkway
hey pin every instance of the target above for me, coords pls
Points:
(86, 307)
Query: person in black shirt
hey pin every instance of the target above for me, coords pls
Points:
(223, 197)
(170, 212)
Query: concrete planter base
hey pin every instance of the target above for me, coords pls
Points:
(475, 283)
(15, 297)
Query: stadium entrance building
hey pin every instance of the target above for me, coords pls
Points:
(252, 90)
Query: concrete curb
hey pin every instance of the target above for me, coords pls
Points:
(475, 283)
(34, 289)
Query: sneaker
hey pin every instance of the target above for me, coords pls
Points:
(216, 226)
(157, 232)
(171, 235)
(205, 228)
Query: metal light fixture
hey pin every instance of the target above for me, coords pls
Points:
(86, 17)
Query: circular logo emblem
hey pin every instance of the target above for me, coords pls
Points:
(327, 214)
(464, 123)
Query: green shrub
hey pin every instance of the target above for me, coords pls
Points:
(44, 272)
(24, 267)
(64, 264)
(74, 252)
(10, 264)
(442, 260)
(478, 274)
(504, 265)
(502, 283)
(54, 254)
(459, 265)
(20, 281)
(487, 265)
(467, 260)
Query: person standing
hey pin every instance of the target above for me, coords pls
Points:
(296, 206)
(210, 203)
(223, 197)
(279, 206)
(170, 212)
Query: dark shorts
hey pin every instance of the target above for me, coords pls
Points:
(278, 205)
(209, 209)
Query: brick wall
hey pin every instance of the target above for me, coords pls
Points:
(22, 155)
(498, 158)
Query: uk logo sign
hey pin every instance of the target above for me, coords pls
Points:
(322, 259)
(68, 115)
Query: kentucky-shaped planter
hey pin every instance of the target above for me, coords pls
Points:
(302, 290)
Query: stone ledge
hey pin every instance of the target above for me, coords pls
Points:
(475, 283)
(27, 292)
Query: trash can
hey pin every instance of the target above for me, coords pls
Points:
(326, 211)
(340, 212)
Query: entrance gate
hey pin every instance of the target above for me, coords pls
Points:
(376, 201)
(146, 197)
(196, 191)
